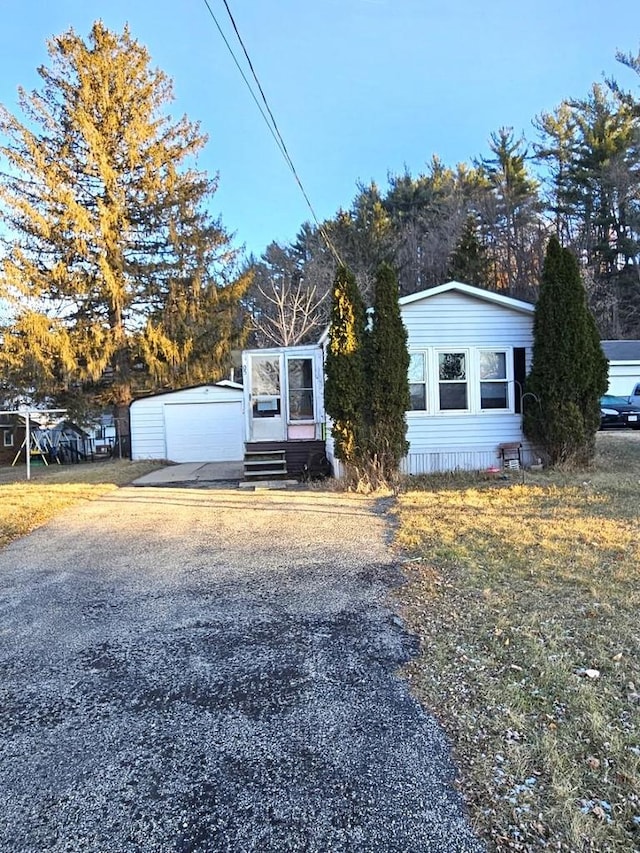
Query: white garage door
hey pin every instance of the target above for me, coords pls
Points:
(204, 432)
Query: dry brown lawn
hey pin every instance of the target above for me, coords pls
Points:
(526, 598)
(26, 505)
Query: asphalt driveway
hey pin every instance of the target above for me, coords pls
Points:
(186, 670)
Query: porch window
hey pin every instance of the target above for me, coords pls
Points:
(300, 382)
(265, 383)
(417, 382)
(452, 381)
(8, 438)
(494, 389)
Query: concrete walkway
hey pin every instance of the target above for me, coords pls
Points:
(193, 473)
(210, 670)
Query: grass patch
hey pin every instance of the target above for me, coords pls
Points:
(26, 505)
(527, 599)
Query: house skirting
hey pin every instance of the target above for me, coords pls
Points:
(463, 459)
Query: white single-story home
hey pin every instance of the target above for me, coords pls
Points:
(470, 350)
(624, 366)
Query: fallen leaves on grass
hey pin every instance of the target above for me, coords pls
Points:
(526, 603)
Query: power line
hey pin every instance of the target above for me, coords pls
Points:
(270, 120)
(244, 76)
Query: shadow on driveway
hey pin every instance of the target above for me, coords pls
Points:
(214, 671)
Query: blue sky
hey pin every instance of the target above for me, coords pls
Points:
(358, 87)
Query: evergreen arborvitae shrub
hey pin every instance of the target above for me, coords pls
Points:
(345, 383)
(569, 370)
(387, 371)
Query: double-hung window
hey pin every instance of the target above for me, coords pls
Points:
(418, 381)
(494, 386)
(453, 390)
(458, 380)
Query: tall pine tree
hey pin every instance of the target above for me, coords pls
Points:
(468, 262)
(569, 370)
(114, 268)
(345, 381)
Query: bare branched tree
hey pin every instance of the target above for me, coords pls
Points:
(288, 300)
(290, 313)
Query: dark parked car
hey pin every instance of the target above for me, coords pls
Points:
(618, 412)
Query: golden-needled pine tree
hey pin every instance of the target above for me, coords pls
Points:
(118, 276)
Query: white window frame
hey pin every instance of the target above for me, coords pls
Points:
(467, 380)
(7, 440)
(425, 382)
(313, 418)
(431, 357)
(508, 379)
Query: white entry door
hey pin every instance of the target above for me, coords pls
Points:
(267, 418)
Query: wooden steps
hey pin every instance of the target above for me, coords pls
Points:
(302, 460)
(265, 463)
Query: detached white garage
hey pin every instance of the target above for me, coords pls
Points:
(624, 366)
(204, 423)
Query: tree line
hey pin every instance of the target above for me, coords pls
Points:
(117, 279)
(485, 223)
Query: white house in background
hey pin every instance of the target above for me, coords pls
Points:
(470, 350)
(624, 366)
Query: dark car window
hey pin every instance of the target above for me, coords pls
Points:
(610, 400)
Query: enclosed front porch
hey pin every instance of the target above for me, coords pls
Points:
(284, 412)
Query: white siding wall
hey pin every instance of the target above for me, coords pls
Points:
(148, 436)
(455, 319)
(147, 429)
(330, 445)
(445, 441)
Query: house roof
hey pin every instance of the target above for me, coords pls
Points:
(474, 292)
(223, 383)
(621, 350)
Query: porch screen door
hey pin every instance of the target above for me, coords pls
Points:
(267, 423)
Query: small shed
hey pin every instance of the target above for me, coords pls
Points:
(203, 423)
(624, 366)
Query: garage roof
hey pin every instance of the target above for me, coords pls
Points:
(621, 350)
(224, 383)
